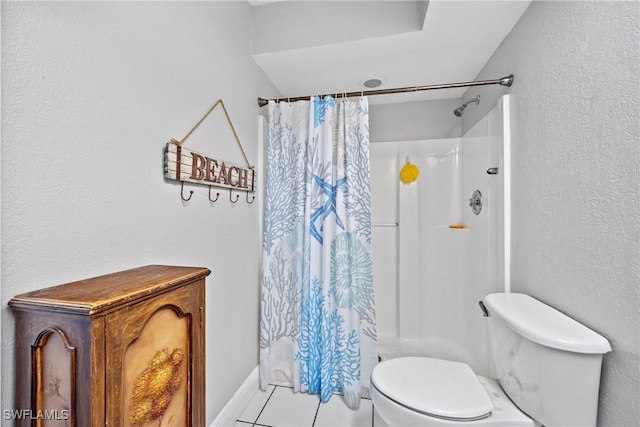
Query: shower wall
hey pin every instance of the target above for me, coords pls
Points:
(428, 276)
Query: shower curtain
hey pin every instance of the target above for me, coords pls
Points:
(317, 325)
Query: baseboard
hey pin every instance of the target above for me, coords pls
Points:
(234, 407)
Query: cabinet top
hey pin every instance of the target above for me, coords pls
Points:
(104, 293)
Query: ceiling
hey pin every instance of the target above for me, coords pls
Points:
(317, 47)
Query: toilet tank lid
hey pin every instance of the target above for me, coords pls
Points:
(544, 325)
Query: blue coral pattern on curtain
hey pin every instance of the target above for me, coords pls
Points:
(317, 326)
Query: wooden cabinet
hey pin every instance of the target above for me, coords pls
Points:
(125, 349)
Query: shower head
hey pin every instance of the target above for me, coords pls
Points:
(458, 111)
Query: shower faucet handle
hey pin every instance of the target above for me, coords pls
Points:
(476, 202)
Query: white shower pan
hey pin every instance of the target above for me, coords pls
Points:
(429, 274)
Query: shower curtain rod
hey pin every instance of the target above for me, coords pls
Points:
(504, 81)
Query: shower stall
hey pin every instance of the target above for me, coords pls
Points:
(435, 256)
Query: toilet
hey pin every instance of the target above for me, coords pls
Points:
(548, 373)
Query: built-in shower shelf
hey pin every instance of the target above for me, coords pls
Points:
(465, 228)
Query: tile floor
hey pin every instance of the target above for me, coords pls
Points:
(279, 406)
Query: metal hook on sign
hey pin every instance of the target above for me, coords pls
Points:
(252, 199)
(182, 192)
(213, 200)
(237, 197)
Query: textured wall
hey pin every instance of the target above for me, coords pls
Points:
(576, 177)
(91, 92)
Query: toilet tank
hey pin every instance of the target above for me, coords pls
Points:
(546, 362)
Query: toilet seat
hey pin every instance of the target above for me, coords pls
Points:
(434, 387)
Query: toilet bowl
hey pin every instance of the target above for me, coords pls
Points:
(548, 366)
(421, 391)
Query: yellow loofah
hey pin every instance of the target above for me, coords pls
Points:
(409, 173)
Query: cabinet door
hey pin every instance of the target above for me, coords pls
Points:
(55, 385)
(155, 361)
